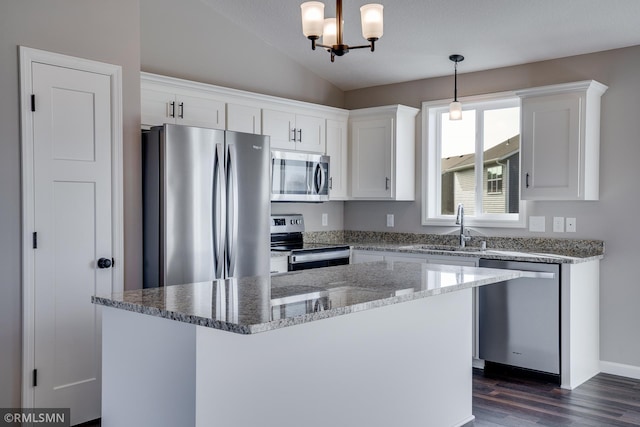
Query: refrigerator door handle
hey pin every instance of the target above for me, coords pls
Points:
(232, 210)
(219, 211)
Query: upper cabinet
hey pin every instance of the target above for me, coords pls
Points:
(560, 126)
(292, 125)
(337, 150)
(161, 103)
(244, 118)
(291, 131)
(383, 153)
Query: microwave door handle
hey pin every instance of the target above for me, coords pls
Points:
(219, 211)
(317, 179)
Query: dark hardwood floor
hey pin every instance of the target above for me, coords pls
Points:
(498, 400)
(603, 401)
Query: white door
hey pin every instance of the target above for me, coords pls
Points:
(73, 220)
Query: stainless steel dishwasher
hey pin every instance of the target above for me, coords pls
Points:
(519, 320)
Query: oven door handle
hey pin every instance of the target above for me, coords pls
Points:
(319, 256)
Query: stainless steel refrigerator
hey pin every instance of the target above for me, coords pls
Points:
(206, 205)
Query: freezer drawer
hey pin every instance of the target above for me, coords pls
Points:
(519, 320)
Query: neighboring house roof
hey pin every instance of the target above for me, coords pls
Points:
(498, 152)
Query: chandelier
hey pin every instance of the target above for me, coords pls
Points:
(315, 26)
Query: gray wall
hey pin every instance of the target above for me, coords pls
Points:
(611, 219)
(196, 43)
(106, 31)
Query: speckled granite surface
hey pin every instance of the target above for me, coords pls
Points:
(505, 248)
(258, 304)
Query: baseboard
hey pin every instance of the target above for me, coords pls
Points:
(613, 368)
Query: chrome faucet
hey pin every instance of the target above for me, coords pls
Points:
(460, 221)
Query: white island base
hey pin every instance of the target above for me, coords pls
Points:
(406, 364)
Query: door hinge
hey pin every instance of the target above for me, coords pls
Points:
(35, 377)
(33, 102)
(35, 240)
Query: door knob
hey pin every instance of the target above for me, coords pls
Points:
(104, 263)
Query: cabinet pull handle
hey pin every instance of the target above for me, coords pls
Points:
(172, 110)
(331, 183)
(527, 180)
(182, 110)
(387, 182)
(294, 134)
(299, 135)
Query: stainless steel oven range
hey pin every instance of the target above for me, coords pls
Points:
(287, 235)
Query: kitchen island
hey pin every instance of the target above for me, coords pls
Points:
(374, 344)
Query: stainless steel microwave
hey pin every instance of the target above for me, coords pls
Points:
(299, 177)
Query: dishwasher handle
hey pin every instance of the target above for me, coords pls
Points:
(537, 274)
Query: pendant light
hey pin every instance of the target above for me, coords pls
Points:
(455, 108)
(315, 26)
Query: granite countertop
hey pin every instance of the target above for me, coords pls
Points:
(531, 249)
(263, 303)
(546, 255)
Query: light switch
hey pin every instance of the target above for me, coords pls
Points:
(536, 223)
(325, 219)
(390, 220)
(558, 224)
(571, 225)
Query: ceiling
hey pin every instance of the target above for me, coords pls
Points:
(419, 35)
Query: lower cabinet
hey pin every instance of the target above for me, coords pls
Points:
(361, 256)
(279, 264)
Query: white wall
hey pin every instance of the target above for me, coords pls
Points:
(93, 29)
(611, 219)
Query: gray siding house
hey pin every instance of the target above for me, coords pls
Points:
(500, 182)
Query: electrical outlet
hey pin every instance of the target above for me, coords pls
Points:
(536, 223)
(558, 224)
(571, 225)
(390, 220)
(325, 219)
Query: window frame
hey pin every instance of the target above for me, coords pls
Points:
(431, 163)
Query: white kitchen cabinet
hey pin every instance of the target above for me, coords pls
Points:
(292, 131)
(560, 126)
(279, 263)
(359, 256)
(244, 118)
(164, 104)
(337, 150)
(382, 150)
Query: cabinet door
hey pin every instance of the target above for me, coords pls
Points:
(551, 147)
(359, 257)
(243, 118)
(157, 107)
(337, 151)
(200, 111)
(310, 133)
(372, 158)
(279, 125)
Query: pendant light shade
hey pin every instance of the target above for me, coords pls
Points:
(312, 19)
(455, 108)
(372, 21)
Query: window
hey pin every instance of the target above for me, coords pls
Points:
(474, 161)
(494, 180)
